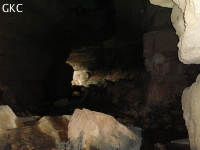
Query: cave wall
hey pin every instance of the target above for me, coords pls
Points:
(185, 19)
(167, 73)
(190, 102)
(113, 60)
(168, 76)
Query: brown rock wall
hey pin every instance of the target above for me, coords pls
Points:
(168, 74)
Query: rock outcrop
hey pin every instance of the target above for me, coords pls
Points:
(190, 102)
(114, 60)
(84, 129)
(167, 73)
(89, 129)
(8, 119)
(185, 19)
(56, 127)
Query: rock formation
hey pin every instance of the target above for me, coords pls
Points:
(8, 119)
(84, 129)
(185, 19)
(89, 129)
(190, 101)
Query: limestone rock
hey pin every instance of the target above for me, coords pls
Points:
(185, 19)
(89, 129)
(26, 138)
(162, 89)
(8, 119)
(56, 127)
(167, 79)
(29, 121)
(191, 105)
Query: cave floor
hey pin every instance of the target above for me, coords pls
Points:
(155, 136)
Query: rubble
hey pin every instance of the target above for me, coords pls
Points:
(25, 137)
(87, 130)
(56, 127)
(8, 119)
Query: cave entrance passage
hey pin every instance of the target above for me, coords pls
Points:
(110, 61)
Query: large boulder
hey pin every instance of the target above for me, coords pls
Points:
(191, 105)
(8, 119)
(185, 19)
(88, 129)
(56, 127)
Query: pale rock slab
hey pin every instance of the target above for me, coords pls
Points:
(8, 119)
(191, 105)
(56, 127)
(90, 129)
(185, 18)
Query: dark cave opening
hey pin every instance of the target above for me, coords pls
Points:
(115, 57)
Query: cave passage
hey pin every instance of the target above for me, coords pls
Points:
(111, 56)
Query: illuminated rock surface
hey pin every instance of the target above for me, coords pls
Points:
(89, 129)
(191, 104)
(56, 127)
(8, 120)
(185, 19)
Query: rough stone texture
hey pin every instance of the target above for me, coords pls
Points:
(114, 60)
(185, 19)
(25, 138)
(56, 127)
(167, 72)
(89, 129)
(8, 119)
(191, 104)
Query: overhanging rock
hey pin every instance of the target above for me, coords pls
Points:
(186, 20)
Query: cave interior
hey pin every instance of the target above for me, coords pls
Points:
(118, 57)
